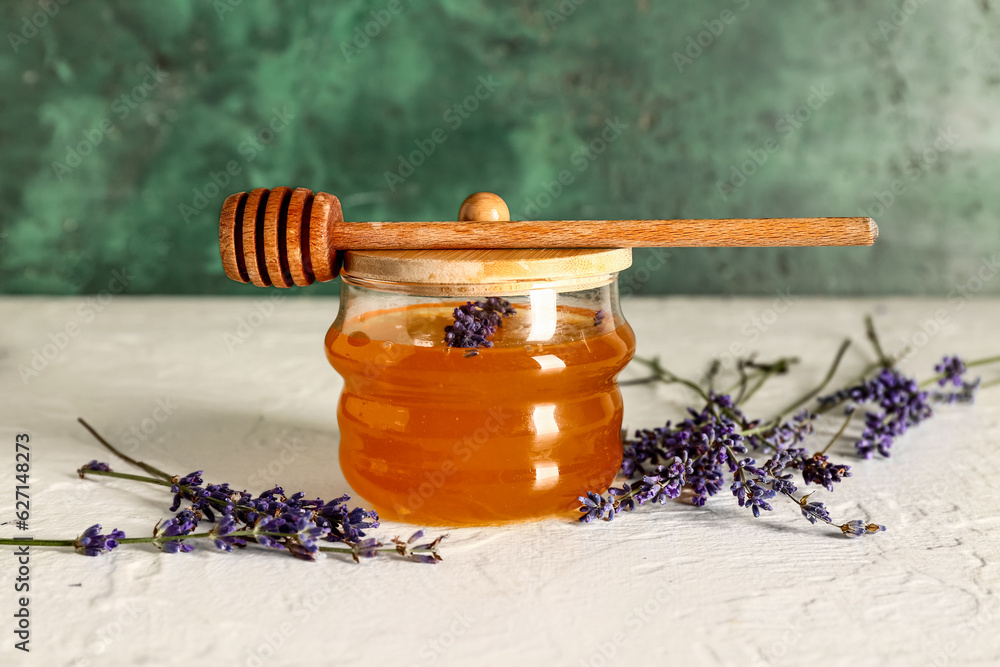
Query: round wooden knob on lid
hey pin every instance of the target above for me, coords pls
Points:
(483, 207)
(485, 272)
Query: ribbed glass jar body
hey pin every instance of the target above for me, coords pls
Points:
(440, 435)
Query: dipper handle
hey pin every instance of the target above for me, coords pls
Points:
(286, 237)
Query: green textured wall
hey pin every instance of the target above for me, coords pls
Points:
(904, 96)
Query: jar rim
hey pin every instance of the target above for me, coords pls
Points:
(510, 268)
(502, 288)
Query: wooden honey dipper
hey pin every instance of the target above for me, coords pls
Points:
(286, 237)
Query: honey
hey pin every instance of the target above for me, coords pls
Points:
(441, 435)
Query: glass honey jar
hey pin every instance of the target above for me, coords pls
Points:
(514, 429)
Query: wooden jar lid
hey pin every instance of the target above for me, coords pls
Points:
(484, 272)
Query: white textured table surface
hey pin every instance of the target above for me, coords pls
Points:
(673, 585)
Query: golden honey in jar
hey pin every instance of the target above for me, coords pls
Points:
(440, 435)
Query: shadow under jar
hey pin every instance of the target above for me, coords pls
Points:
(440, 435)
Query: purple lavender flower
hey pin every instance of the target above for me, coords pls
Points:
(901, 400)
(817, 469)
(771, 473)
(595, 506)
(952, 368)
(664, 483)
(221, 534)
(96, 466)
(336, 521)
(690, 454)
(476, 322)
(270, 524)
(757, 497)
(621, 500)
(343, 524)
(859, 528)
(92, 543)
(878, 435)
(814, 511)
(190, 480)
(183, 524)
(702, 439)
(697, 452)
(294, 529)
(783, 436)
(749, 491)
(427, 559)
(292, 523)
(967, 394)
(854, 528)
(307, 532)
(599, 317)
(366, 548)
(420, 553)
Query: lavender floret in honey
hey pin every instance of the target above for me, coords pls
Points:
(476, 322)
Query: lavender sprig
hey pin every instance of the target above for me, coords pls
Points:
(902, 405)
(288, 523)
(753, 487)
(179, 526)
(951, 369)
(92, 543)
(420, 553)
(699, 452)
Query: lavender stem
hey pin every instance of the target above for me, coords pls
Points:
(839, 433)
(124, 475)
(139, 464)
(872, 335)
(667, 377)
(822, 385)
(968, 364)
